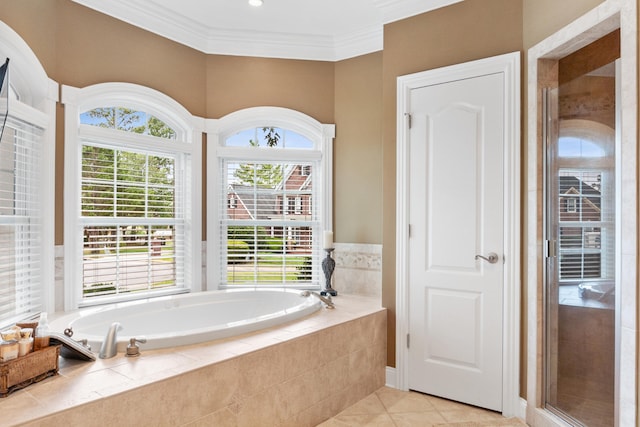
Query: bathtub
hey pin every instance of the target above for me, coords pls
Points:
(188, 318)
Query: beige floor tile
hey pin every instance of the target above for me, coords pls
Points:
(391, 407)
(370, 405)
(412, 402)
(368, 420)
(390, 396)
(446, 405)
(417, 419)
(470, 414)
(332, 422)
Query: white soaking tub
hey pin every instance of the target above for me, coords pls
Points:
(188, 318)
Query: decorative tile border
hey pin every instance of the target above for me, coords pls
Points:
(358, 269)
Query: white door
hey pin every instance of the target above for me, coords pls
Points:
(456, 193)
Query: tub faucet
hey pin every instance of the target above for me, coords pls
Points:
(325, 299)
(109, 345)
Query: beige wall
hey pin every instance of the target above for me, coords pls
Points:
(462, 32)
(541, 18)
(235, 82)
(358, 150)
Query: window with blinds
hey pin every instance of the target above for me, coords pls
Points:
(269, 228)
(585, 225)
(269, 221)
(21, 221)
(132, 204)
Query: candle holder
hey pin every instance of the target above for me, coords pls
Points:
(328, 265)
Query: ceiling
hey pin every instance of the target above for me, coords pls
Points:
(328, 30)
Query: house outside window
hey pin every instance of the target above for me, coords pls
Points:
(270, 240)
(132, 227)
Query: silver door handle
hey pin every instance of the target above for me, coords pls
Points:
(492, 258)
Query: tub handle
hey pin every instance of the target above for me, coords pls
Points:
(132, 349)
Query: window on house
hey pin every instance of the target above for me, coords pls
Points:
(273, 241)
(297, 205)
(232, 202)
(135, 212)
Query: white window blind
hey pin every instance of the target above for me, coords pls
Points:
(134, 192)
(269, 232)
(21, 221)
(586, 221)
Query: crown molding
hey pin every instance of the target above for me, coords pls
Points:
(148, 15)
(395, 10)
(358, 43)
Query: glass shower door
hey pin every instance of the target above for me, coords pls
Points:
(580, 257)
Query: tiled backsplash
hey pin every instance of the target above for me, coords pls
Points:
(358, 269)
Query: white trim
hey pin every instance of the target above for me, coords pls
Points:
(226, 41)
(395, 10)
(596, 23)
(152, 17)
(218, 130)
(31, 82)
(522, 413)
(133, 96)
(390, 377)
(38, 97)
(509, 65)
(188, 129)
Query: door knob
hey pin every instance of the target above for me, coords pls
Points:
(491, 259)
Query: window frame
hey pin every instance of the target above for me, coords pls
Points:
(188, 142)
(218, 130)
(33, 98)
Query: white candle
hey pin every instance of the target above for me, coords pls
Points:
(328, 239)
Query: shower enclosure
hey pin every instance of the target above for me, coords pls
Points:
(580, 239)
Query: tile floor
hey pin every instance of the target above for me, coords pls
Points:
(389, 407)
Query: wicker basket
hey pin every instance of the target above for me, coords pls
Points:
(31, 368)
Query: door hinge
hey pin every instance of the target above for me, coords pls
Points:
(409, 230)
(408, 340)
(408, 119)
(550, 248)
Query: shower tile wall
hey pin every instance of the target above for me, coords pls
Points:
(586, 364)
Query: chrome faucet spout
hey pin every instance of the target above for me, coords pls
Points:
(325, 299)
(109, 348)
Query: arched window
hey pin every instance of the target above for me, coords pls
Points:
(269, 198)
(131, 194)
(26, 184)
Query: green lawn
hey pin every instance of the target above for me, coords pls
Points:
(268, 269)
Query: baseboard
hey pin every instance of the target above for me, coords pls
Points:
(523, 409)
(390, 380)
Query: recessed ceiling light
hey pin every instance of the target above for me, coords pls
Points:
(255, 3)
